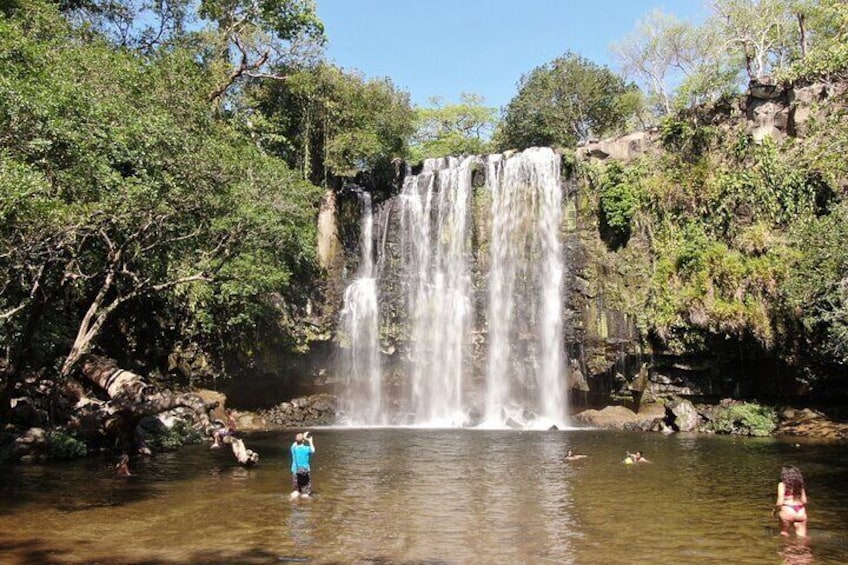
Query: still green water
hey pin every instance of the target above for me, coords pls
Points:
(387, 496)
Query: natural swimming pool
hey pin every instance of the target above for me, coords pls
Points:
(433, 496)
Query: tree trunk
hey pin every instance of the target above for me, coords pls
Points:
(802, 29)
(242, 454)
(132, 394)
(133, 399)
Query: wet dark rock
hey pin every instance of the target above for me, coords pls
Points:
(31, 445)
(314, 410)
(25, 414)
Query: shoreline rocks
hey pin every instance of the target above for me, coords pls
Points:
(732, 417)
(314, 410)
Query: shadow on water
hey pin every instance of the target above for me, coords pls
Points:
(40, 552)
(95, 485)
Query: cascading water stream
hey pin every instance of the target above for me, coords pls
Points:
(434, 208)
(431, 273)
(524, 378)
(362, 402)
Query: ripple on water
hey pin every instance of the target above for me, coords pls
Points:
(432, 496)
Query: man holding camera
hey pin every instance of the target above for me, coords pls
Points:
(301, 455)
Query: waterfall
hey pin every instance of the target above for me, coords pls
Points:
(524, 375)
(434, 219)
(441, 295)
(362, 401)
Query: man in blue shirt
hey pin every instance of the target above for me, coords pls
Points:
(301, 455)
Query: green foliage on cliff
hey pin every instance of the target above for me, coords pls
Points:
(828, 56)
(744, 238)
(817, 285)
(748, 419)
(618, 201)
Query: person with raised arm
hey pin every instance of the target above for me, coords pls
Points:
(301, 457)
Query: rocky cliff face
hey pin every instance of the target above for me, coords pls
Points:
(609, 356)
(601, 343)
(734, 369)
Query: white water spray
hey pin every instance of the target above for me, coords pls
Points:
(362, 402)
(521, 381)
(434, 207)
(524, 377)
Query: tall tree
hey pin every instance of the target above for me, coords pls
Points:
(328, 122)
(823, 27)
(656, 53)
(120, 193)
(454, 129)
(255, 37)
(678, 63)
(562, 102)
(762, 32)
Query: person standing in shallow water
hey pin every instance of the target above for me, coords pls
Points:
(791, 504)
(301, 456)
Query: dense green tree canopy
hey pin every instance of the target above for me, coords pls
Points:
(331, 123)
(454, 129)
(157, 162)
(562, 102)
(121, 192)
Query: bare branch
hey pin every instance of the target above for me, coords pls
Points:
(244, 67)
(9, 313)
(271, 76)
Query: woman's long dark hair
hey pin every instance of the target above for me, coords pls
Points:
(792, 479)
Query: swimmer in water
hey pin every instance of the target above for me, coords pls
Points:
(571, 456)
(122, 468)
(633, 458)
(791, 504)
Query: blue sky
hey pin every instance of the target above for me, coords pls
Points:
(445, 47)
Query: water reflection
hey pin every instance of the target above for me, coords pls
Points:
(299, 524)
(797, 552)
(448, 496)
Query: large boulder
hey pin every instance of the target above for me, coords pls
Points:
(621, 417)
(30, 445)
(682, 415)
(624, 148)
(811, 423)
(767, 118)
(803, 102)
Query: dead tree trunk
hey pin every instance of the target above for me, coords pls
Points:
(131, 393)
(131, 399)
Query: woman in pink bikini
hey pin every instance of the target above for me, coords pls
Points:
(791, 505)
